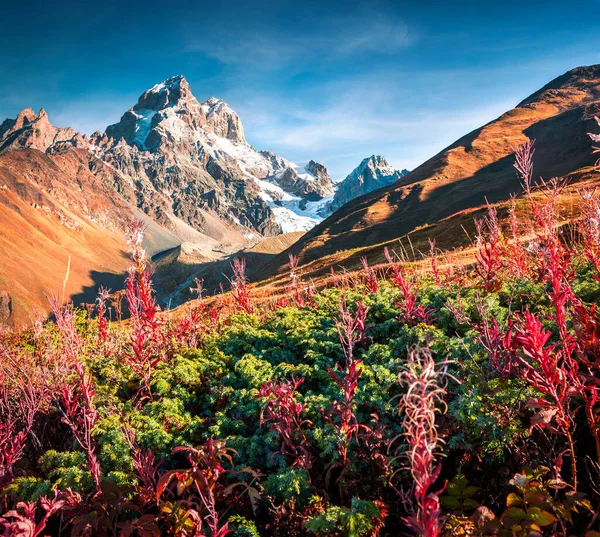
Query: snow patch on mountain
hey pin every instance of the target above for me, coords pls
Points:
(143, 126)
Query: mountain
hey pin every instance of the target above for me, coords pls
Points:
(182, 166)
(31, 130)
(475, 168)
(372, 173)
(191, 160)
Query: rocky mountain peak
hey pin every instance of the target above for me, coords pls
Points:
(31, 130)
(222, 120)
(168, 113)
(372, 173)
(374, 162)
(174, 91)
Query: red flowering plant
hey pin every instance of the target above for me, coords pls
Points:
(424, 388)
(239, 286)
(146, 338)
(284, 414)
(411, 312)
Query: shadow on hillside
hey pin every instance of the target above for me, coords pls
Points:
(562, 146)
(110, 280)
(173, 280)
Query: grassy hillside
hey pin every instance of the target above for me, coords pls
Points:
(476, 168)
(461, 401)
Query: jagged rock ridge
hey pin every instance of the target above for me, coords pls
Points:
(372, 173)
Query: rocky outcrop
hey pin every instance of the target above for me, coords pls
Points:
(372, 173)
(169, 113)
(195, 157)
(311, 182)
(31, 130)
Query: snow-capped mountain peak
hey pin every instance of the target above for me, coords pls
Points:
(377, 164)
(372, 173)
(169, 84)
(174, 137)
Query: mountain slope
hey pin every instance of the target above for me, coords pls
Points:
(477, 167)
(51, 227)
(182, 166)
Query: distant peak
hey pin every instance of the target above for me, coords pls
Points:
(171, 92)
(377, 159)
(374, 161)
(212, 101)
(171, 83)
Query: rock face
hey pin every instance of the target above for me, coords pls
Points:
(194, 157)
(311, 182)
(31, 130)
(169, 111)
(372, 173)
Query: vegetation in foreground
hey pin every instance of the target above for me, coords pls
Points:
(456, 403)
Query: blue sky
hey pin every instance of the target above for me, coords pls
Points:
(331, 81)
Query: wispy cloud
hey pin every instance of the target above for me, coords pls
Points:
(269, 47)
(341, 122)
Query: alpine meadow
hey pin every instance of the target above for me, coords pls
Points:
(199, 338)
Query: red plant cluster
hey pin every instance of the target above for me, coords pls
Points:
(411, 312)
(201, 488)
(298, 294)
(423, 398)
(146, 338)
(24, 520)
(80, 414)
(239, 286)
(591, 229)
(23, 395)
(101, 301)
(563, 367)
(283, 413)
(369, 276)
(352, 330)
(488, 257)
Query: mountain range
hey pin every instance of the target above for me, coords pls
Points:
(185, 168)
(181, 165)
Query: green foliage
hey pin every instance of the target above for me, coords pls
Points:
(60, 470)
(288, 484)
(356, 521)
(212, 390)
(460, 495)
(532, 506)
(242, 527)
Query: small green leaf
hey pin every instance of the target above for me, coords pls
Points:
(451, 502)
(513, 499)
(468, 503)
(470, 491)
(515, 514)
(540, 517)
